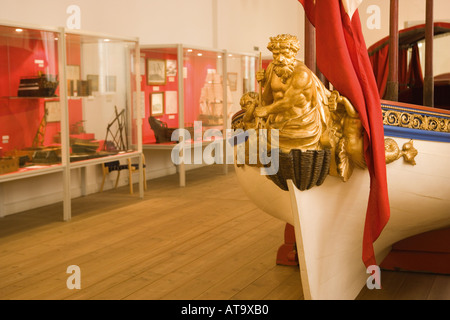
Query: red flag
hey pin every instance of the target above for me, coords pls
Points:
(341, 55)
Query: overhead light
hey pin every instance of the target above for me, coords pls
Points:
(106, 40)
(219, 57)
(189, 50)
(19, 30)
(199, 54)
(230, 55)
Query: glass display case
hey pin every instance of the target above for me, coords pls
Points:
(30, 105)
(161, 93)
(103, 104)
(101, 95)
(192, 88)
(175, 99)
(68, 100)
(241, 78)
(201, 96)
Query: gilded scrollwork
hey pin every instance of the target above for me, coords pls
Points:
(407, 119)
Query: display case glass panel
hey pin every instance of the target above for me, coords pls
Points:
(30, 107)
(241, 78)
(160, 88)
(101, 90)
(204, 91)
(201, 90)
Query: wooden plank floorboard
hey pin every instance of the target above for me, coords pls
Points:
(215, 264)
(289, 289)
(179, 256)
(440, 289)
(119, 247)
(273, 280)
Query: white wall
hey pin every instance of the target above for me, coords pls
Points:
(240, 24)
(243, 24)
(154, 21)
(235, 25)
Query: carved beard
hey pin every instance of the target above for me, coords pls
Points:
(284, 71)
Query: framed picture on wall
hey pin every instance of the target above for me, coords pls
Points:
(232, 80)
(157, 103)
(72, 75)
(156, 72)
(171, 103)
(171, 68)
(110, 83)
(53, 109)
(93, 78)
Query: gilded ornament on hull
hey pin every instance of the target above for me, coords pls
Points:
(404, 118)
(393, 152)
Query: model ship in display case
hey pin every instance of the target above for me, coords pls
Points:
(211, 100)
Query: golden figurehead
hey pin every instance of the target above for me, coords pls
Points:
(307, 115)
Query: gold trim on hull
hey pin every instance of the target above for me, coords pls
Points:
(422, 120)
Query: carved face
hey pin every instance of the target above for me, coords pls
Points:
(284, 62)
(248, 103)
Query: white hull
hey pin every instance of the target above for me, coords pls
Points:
(329, 219)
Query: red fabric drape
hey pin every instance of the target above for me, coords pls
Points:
(402, 69)
(380, 65)
(342, 56)
(415, 76)
(408, 75)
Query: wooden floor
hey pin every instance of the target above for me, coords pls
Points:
(204, 241)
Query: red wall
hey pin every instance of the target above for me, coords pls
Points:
(147, 133)
(20, 117)
(196, 71)
(73, 57)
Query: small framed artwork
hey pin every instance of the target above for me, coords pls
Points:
(171, 103)
(53, 109)
(157, 103)
(171, 68)
(156, 72)
(72, 75)
(110, 83)
(94, 81)
(232, 80)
